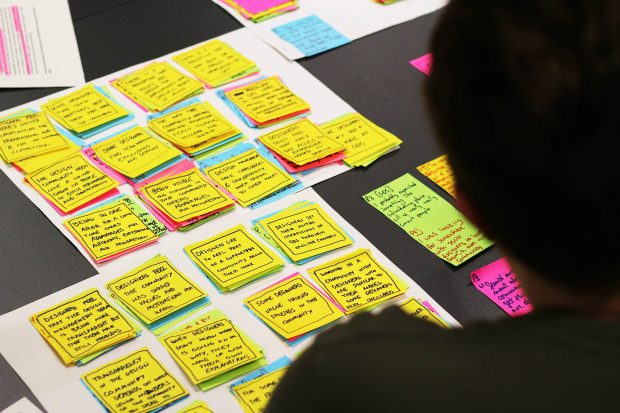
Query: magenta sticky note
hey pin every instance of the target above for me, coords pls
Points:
(498, 282)
(258, 6)
(423, 64)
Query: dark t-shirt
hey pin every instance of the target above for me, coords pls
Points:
(391, 362)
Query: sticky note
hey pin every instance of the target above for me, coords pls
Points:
(155, 290)
(84, 109)
(249, 177)
(71, 183)
(357, 280)
(254, 391)
(500, 284)
(33, 164)
(28, 135)
(216, 63)
(428, 219)
(305, 232)
(260, 10)
(134, 152)
(110, 230)
(197, 407)
(423, 63)
(158, 86)
(211, 346)
(439, 171)
(83, 325)
(414, 308)
(311, 35)
(364, 141)
(137, 382)
(301, 142)
(293, 307)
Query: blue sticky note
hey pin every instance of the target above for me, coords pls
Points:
(311, 35)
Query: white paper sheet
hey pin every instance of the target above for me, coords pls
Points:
(37, 44)
(23, 405)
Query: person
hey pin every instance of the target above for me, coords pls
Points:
(525, 98)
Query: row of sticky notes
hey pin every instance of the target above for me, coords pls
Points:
(260, 10)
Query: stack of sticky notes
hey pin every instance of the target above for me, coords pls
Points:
(264, 102)
(134, 154)
(302, 232)
(157, 86)
(136, 382)
(83, 327)
(194, 127)
(259, 10)
(364, 141)
(114, 228)
(87, 111)
(233, 258)
(196, 407)
(251, 175)
(293, 307)
(254, 391)
(158, 294)
(185, 200)
(357, 281)
(72, 183)
(417, 309)
(212, 350)
(302, 146)
(216, 63)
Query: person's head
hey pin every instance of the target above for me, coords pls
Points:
(525, 98)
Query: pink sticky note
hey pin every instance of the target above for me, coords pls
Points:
(498, 282)
(423, 64)
(257, 6)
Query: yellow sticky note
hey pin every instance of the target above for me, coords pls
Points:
(84, 109)
(135, 152)
(249, 177)
(136, 383)
(215, 63)
(439, 171)
(193, 125)
(232, 257)
(414, 308)
(71, 183)
(267, 99)
(209, 348)
(82, 325)
(357, 280)
(197, 407)
(33, 164)
(186, 195)
(110, 230)
(29, 135)
(301, 142)
(155, 290)
(362, 139)
(158, 86)
(255, 394)
(293, 307)
(305, 232)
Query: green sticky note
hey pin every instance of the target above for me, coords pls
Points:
(429, 219)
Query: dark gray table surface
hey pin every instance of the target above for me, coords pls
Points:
(372, 74)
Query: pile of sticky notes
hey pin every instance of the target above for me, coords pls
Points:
(194, 127)
(212, 350)
(357, 281)
(254, 391)
(260, 10)
(293, 307)
(233, 258)
(83, 327)
(264, 102)
(185, 200)
(417, 309)
(137, 382)
(87, 111)
(114, 228)
(302, 232)
(157, 86)
(216, 63)
(158, 294)
(302, 146)
(363, 141)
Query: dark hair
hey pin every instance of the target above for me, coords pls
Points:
(525, 98)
